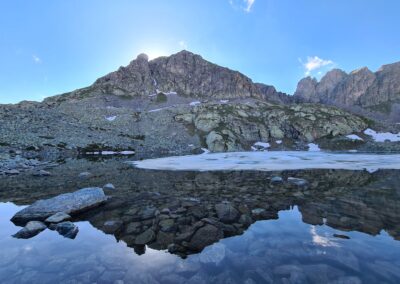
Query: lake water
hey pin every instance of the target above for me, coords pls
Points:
(314, 226)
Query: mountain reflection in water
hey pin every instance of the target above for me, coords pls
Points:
(336, 225)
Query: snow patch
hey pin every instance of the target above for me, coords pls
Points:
(312, 147)
(205, 151)
(278, 141)
(159, 109)
(195, 103)
(273, 161)
(354, 137)
(264, 145)
(111, 118)
(382, 137)
(224, 101)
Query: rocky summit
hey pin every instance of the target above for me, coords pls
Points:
(172, 105)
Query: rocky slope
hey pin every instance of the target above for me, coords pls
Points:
(169, 106)
(376, 95)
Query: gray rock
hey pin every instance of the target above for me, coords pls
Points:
(30, 230)
(167, 225)
(226, 212)
(147, 213)
(245, 220)
(41, 173)
(85, 175)
(276, 180)
(109, 186)
(258, 212)
(12, 172)
(112, 226)
(297, 181)
(67, 229)
(58, 217)
(69, 203)
(205, 236)
(133, 228)
(145, 237)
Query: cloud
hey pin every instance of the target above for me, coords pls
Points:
(183, 44)
(36, 59)
(314, 63)
(244, 5)
(249, 4)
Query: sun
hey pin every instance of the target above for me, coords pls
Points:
(154, 53)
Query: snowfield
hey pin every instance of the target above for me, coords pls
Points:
(354, 137)
(382, 137)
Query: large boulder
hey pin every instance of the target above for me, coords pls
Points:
(69, 203)
(226, 212)
(205, 236)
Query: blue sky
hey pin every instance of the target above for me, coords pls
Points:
(50, 47)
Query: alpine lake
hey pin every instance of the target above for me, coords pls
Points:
(185, 221)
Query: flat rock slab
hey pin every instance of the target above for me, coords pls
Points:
(69, 203)
(58, 218)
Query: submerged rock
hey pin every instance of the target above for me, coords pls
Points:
(41, 173)
(276, 180)
(297, 181)
(109, 186)
(112, 226)
(226, 212)
(30, 230)
(67, 229)
(69, 203)
(205, 236)
(145, 237)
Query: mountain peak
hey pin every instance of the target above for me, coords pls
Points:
(184, 73)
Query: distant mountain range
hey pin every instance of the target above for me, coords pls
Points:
(376, 95)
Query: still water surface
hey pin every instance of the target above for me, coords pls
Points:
(343, 226)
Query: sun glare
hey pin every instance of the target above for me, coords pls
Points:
(154, 53)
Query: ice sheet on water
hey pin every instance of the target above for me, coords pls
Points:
(273, 161)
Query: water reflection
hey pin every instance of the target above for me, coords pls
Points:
(335, 225)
